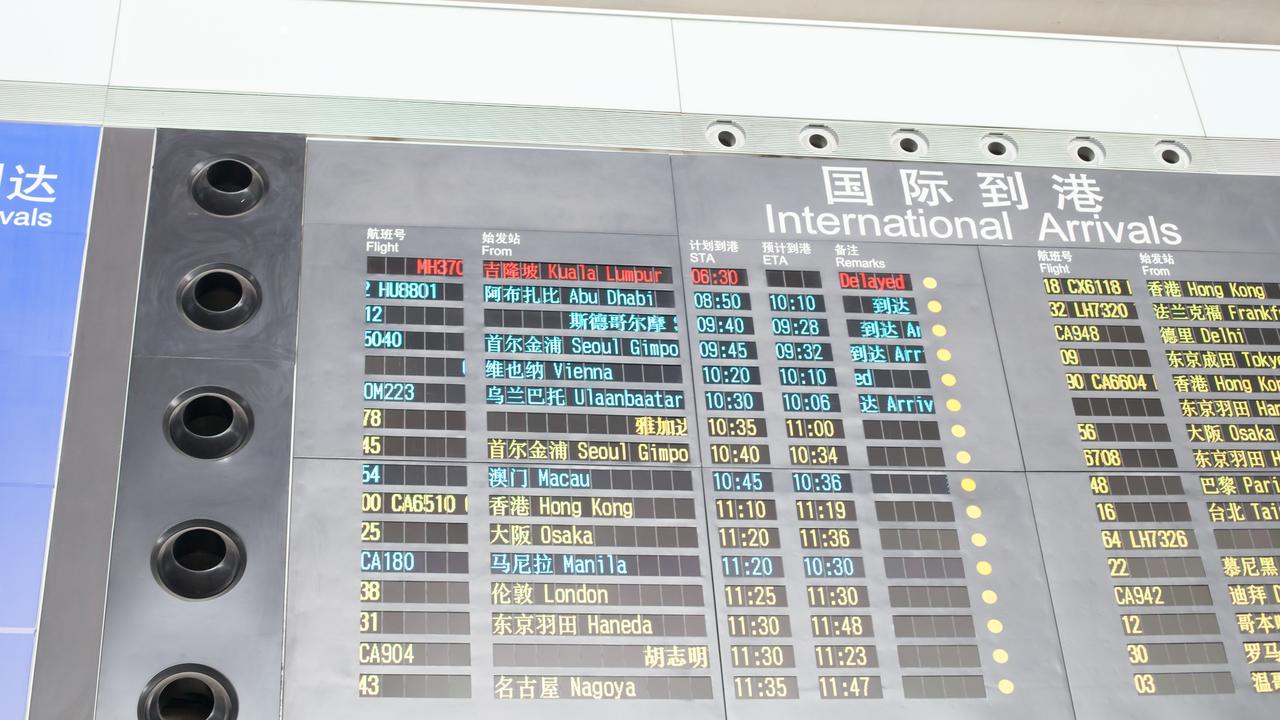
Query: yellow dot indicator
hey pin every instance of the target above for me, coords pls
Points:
(959, 431)
(979, 540)
(944, 354)
(948, 379)
(990, 597)
(953, 405)
(1000, 655)
(939, 330)
(1006, 686)
(968, 485)
(995, 626)
(935, 306)
(984, 567)
(973, 511)
(963, 457)
(930, 282)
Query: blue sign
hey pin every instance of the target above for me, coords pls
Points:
(46, 185)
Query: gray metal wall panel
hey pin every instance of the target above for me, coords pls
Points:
(70, 633)
(574, 191)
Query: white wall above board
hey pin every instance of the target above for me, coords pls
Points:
(451, 53)
(413, 52)
(58, 41)
(932, 77)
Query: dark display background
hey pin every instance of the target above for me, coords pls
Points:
(1021, 553)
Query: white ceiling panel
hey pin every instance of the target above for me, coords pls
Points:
(397, 51)
(1236, 90)
(932, 78)
(57, 41)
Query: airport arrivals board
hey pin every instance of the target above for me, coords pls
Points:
(723, 437)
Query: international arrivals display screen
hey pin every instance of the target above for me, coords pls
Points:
(624, 435)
